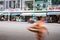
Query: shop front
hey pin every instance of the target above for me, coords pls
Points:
(3, 16)
(10, 16)
(53, 17)
(32, 17)
(15, 16)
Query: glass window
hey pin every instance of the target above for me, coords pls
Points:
(28, 5)
(9, 4)
(1, 5)
(14, 4)
(1, 2)
(18, 4)
(55, 2)
(6, 4)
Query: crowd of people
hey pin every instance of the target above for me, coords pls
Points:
(52, 19)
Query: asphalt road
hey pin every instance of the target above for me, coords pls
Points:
(18, 31)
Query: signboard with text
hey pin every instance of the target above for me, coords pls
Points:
(53, 9)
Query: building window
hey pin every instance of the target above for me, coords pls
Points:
(55, 2)
(1, 5)
(12, 4)
(15, 16)
(17, 4)
(6, 4)
(9, 4)
(28, 5)
(45, 0)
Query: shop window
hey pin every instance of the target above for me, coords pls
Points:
(15, 16)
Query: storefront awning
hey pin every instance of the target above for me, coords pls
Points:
(53, 13)
(12, 13)
(26, 14)
(15, 13)
(35, 14)
(3, 13)
(0, 13)
(40, 14)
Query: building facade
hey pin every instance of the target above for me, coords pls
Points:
(17, 7)
(7, 5)
(32, 5)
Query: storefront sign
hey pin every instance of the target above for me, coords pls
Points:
(52, 8)
(16, 9)
(41, 5)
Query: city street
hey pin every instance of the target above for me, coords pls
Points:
(18, 31)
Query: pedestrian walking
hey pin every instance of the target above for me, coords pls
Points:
(39, 28)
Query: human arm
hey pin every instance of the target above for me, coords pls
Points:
(33, 27)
